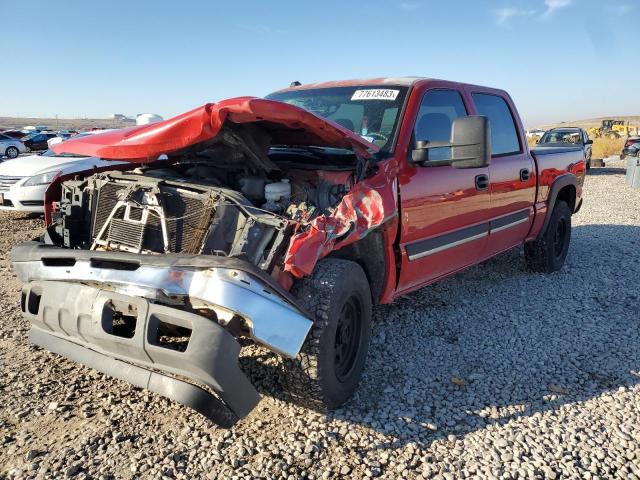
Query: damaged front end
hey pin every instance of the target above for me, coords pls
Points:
(168, 323)
(154, 275)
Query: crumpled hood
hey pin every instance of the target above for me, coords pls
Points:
(286, 124)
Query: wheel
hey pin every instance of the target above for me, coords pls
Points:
(547, 254)
(328, 369)
(589, 163)
(12, 152)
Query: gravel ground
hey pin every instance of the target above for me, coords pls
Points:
(494, 373)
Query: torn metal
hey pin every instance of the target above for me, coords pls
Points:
(271, 319)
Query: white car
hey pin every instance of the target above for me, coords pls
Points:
(11, 147)
(535, 133)
(24, 180)
(59, 138)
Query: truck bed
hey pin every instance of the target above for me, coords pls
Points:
(555, 161)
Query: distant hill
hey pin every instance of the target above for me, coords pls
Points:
(590, 122)
(10, 123)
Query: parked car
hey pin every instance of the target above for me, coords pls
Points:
(58, 138)
(536, 133)
(10, 147)
(568, 136)
(17, 134)
(282, 221)
(23, 181)
(631, 147)
(37, 141)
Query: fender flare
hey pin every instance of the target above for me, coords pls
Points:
(558, 184)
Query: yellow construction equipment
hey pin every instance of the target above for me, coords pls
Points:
(613, 129)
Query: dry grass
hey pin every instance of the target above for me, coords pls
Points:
(601, 148)
(605, 147)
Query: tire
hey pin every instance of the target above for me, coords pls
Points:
(329, 366)
(589, 163)
(548, 253)
(12, 152)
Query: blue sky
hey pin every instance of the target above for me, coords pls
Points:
(560, 59)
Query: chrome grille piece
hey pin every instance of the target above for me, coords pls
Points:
(7, 181)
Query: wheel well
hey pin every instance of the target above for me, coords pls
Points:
(568, 195)
(369, 254)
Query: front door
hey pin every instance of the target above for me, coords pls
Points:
(444, 210)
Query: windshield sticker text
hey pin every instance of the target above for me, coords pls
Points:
(375, 94)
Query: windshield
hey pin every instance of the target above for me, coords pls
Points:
(562, 136)
(371, 112)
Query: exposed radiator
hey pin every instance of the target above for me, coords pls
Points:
(187, 216)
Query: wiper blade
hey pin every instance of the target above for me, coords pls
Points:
(310, 148)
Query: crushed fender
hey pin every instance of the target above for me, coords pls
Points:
(369, 204)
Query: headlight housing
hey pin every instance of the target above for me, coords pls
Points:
(41, 179)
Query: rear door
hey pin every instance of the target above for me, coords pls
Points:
(444, 210)
(512, 173)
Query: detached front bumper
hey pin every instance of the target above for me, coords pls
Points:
(107, 310)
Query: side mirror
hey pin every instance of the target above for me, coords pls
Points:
(470, 145)
(589, 142)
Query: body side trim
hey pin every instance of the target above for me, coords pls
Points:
(510, 220)
(423, 248)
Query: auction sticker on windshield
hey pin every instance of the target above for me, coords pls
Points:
(375, 94)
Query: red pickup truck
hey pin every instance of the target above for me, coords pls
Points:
(282, 221)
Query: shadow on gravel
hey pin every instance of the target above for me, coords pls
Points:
(496, 343)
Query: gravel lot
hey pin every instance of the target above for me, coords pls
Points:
(495, 373)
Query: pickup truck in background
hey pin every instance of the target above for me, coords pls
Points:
(567, 137)
(282, 221)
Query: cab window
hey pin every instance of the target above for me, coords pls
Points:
(504, 135)
(438, 110)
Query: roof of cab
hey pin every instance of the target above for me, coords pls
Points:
(398, 81)
(379, 82)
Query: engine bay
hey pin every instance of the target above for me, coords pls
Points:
(193, 207)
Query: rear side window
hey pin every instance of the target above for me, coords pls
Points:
(438, 110)
(504, 135)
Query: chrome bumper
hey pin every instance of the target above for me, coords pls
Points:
(74, 298)
(225, 284)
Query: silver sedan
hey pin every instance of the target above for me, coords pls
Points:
(11, 147)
